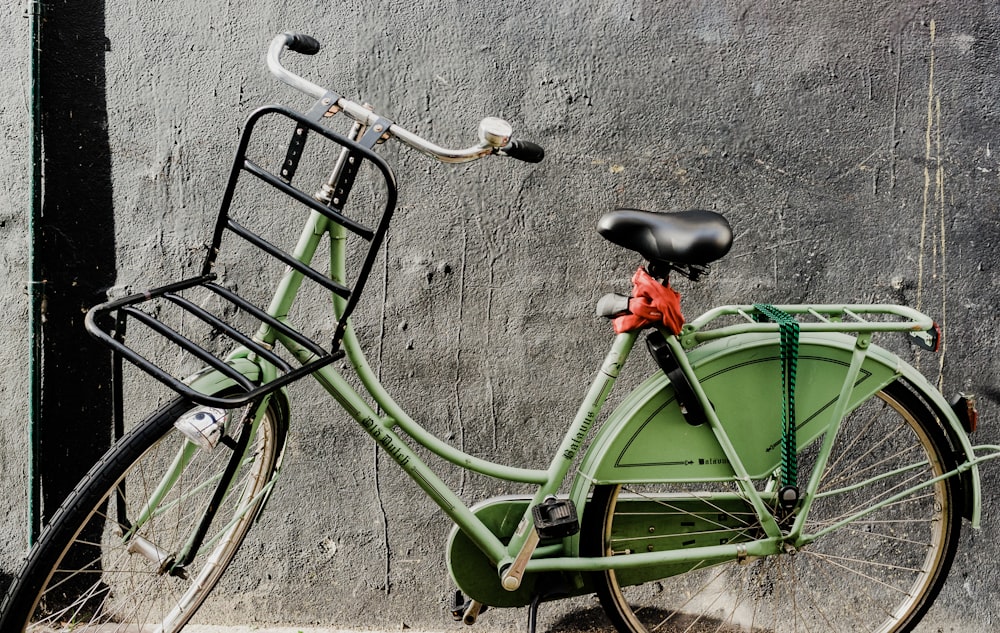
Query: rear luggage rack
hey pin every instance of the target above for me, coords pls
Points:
(158, 311)
(847, 319)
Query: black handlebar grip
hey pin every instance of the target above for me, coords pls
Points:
(303, 44)
(525, 150)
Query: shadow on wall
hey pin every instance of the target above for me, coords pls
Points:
(75, 245)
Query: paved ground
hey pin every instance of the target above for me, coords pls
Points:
(571, 616)
(585, 620)
(265, 629)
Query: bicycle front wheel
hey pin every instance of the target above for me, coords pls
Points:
(874, 572)
(114, 557)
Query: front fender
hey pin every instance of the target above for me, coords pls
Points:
(646, 439)
(210, 381)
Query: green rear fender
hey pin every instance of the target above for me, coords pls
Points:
(646, 439)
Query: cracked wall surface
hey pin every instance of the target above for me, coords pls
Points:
(852, 145)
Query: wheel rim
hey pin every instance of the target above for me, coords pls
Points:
(877, 574)
(122, 586)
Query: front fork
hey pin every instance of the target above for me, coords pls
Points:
(197, 434)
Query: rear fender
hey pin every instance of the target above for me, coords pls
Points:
(647, 440)
(960, 445)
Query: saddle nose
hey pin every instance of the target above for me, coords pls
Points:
(693, 237)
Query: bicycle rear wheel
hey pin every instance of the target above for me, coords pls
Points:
(110, 558)
(877, 573)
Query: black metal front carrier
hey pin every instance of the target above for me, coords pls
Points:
(110, 322)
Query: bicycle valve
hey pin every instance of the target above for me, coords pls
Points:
(512, 576)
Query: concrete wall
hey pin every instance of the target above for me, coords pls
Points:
(851, 144)
(14, 205)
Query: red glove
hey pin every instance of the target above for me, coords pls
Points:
(652, 303)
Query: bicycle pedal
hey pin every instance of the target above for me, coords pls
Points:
(458, 604)
(555, 518)
(465, 610)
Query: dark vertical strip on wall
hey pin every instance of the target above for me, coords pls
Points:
(75, 243)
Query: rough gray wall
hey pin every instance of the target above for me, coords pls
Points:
(15, 100)
(851, 146)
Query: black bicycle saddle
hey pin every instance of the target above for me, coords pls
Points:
(685, 237)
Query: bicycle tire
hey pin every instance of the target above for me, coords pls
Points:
(82, 575)
(879, 573)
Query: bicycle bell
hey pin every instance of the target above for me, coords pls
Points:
(495, 132)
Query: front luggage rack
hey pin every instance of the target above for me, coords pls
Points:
(166, 312)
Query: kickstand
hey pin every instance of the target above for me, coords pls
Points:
(558, 590)
(533, 613)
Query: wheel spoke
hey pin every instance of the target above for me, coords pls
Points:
(843, 560)
(850, 469)
(888, 537)
(744, 518)
(112, 574)
(858, 474)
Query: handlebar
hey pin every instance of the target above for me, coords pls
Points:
(494, 134)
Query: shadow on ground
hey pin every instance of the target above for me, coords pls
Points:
(594, 620)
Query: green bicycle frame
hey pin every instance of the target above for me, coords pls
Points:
(839, 367)
(383, 427)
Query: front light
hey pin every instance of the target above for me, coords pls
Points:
(204, 427)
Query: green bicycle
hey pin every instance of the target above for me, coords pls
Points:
(779, 472)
